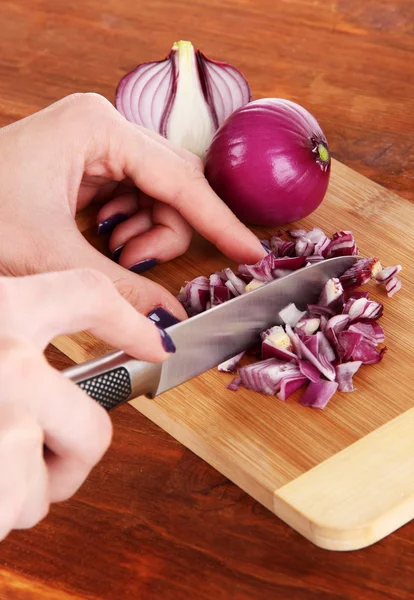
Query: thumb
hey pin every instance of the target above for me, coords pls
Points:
(142, 293)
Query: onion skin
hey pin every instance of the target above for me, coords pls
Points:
(269, 162)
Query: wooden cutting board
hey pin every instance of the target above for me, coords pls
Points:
(342, 477)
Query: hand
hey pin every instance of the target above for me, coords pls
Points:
(80, 150)
(38, 405)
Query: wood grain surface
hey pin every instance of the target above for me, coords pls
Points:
(283, 456)
(153, 520)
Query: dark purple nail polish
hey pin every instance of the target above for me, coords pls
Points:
(265, 245)
(143, 265)
(167, 342)
(109, 225)
(117, 253)
(162, 318)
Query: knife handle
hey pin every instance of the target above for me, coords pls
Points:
(115, 378)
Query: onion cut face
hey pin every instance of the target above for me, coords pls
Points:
(184, 97)
(270, 163)
(322, 346)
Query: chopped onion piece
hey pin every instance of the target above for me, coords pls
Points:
(237, 283)
(281, 247)
(334, 326)
(321, 311)
(308, 326)
(253, 285)
(332, 291)
(388, 277)
(318, 394)
(393, 286)
(309, 370)
(263, 270)
(316, 235)
(345, 373)
(301, 351)
(324, 347)
(291, 315)
(304, 247)
(358, 274)
(265, 376)
(235, 384)
(367, 353)
(387, 273)
(363, 308)
(195, 295)
(342, 244)
(230, 365)
(371, 331)
(231, 287)
(347, 343)
(289, 384)
(271, 351)
(276, 344)
(297, 233)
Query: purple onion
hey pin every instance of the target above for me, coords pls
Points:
(269, 162)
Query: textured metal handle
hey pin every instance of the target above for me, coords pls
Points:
(109, 389)
(115, 378)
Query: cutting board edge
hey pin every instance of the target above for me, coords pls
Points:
(330, 520)
(298, 502)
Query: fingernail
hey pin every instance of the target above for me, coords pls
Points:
(162, 318)
(143, 265)
(109, 224)
(117, 253)
(167, 342)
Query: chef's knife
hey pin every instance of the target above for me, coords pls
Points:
(205, 340)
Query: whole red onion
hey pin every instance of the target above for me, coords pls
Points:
(269, 162)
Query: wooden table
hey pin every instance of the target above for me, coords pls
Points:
(154, 521)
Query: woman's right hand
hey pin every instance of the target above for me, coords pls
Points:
(39, 407)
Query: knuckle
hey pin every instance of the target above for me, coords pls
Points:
(194, 170)
(129, 291)
(192, 177)
(88, 101)
(197, 164)
(101, 291)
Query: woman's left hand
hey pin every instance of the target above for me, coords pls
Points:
(81, 150)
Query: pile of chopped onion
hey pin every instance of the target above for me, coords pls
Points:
(321, 348)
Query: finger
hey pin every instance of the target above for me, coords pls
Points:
(77, 430)
(36, 505)
(85, 299)
(73, 251)
(169, 237)
(118, 149)
(93, 189)
(181, 152)
(125, 204)
(162, 174)
(20, 442)
(142, 293)
(136, 225)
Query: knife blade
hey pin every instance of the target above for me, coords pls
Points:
(204, 340)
